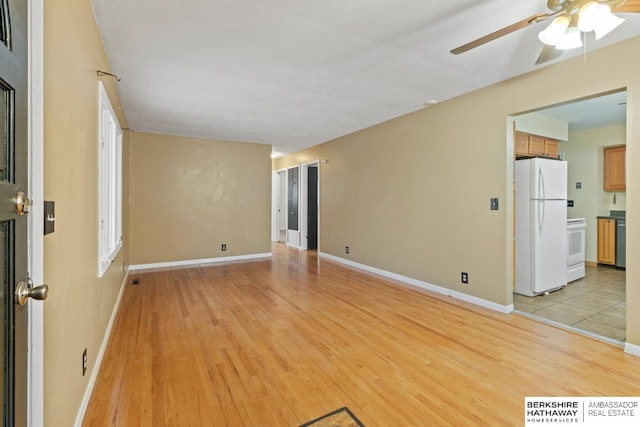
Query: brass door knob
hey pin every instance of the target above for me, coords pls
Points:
(23, 204)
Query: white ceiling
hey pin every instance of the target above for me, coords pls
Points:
(606, 110)
(296, 73)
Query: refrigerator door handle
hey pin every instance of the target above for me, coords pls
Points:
(540, 216)
(541, 184)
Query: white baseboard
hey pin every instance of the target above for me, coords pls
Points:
(196, 262)
(632, 349)
(506, 309)
(103, 346)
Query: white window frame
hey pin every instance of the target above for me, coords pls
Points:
(109, 183)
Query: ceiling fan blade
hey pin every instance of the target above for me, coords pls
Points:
(548, 53)
(630, 6)
(501, 32)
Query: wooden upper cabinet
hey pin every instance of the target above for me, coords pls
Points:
(527, 145)
(551, 149)
(615, 168)
(536, 145)
(521, 144)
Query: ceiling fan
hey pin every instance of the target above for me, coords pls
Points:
(571, 18)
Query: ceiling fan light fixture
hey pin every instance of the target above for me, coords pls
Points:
(597, 17)
(609, 23)
(571, 39)
(590, 14)
(554, 33)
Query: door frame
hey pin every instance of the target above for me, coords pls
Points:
(510, 211)
(278, 178)
(302, 202)
(35, 339)
(275, 194)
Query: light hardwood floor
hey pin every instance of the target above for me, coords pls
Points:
(281, 342)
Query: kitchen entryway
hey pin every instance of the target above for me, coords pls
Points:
(595, 304)
(595, 153)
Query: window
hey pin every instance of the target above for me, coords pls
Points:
(5, 24)
(110, 183)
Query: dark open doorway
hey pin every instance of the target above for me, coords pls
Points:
(312, 208)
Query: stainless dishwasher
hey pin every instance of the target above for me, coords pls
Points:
(621, 242)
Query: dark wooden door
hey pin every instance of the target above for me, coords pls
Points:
(13, 227)
(312, 209)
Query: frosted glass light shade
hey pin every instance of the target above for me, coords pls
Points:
(571, 39)
(590, 14)
(608, 24)
(597, 17)
(554, 33)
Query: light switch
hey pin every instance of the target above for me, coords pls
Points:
(578, 185)
(494, 203)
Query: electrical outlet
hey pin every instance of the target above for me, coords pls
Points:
(346, 249)
(84, 362)
(570, 203)
(465, 277)
(224, 247)
(578, 185)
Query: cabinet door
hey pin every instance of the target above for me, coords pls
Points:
(606, 241)
(551, 149)
(615, 168)
(536, 145)
(521, 144)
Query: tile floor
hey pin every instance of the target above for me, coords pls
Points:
(596, 303)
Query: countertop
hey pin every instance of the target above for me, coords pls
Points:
(614, 215)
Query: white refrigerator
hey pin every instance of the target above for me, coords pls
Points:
(541, 225)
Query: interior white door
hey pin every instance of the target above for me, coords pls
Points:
(293, 206)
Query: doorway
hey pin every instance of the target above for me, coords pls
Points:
(595, 302)
(296, 206)
(312, 207)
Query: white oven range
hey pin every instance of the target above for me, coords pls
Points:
(576, 230)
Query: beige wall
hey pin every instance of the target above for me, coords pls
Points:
(189, 196)
(412, 195)
(79, 306)
(583, 152)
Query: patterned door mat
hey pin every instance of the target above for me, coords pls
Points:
(342, 417)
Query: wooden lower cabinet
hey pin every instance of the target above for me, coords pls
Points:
(606, 241)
